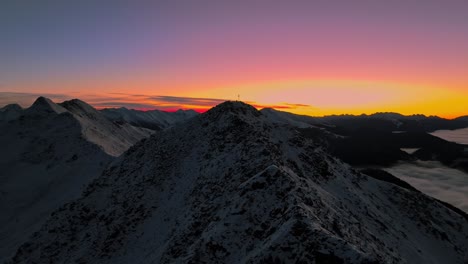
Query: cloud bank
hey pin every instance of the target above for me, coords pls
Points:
(459, 136)
(436, 180)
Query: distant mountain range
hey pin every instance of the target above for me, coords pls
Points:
(157, 119)
(378, 139)
(344, 124)
(232, 185)
(153, 119)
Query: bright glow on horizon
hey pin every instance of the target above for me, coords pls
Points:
(355, 98)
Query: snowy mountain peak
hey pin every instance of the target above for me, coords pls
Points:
(113, 137)
(79, 107)
(44, 105)
(233, 108)
(77, 103)
(11, 107)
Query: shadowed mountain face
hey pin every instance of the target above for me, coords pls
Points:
(231, 186)
(10, 112)
(44, 162)
(49, 153)
(393, 122)
(372, 147)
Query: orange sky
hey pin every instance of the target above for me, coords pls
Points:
(307, 57)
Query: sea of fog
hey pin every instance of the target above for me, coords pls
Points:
(435, 179)
(458, 136)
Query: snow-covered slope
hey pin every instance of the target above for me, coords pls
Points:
(43, 107)
(153, 119)
(48, 153)
(229, 186)
(113, 137)
(44, 162)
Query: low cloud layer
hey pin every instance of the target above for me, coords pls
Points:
(459, 136)
(436, 180)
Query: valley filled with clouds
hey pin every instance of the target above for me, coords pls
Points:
(459, 136)
(435, 179)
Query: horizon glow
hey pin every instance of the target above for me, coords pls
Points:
(306, 57)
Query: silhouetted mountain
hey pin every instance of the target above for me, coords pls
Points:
(389, 122)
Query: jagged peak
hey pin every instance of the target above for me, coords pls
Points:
(75, 105)
(45, 105)
(41, 100)
(74, 102)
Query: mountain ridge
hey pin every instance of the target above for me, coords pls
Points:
(114, 138)
(49, 153)
(232, 186)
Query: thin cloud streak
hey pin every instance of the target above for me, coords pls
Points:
(298, 105)
(188, 100)
(137, 101)
(27, 99)
(117, 104)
